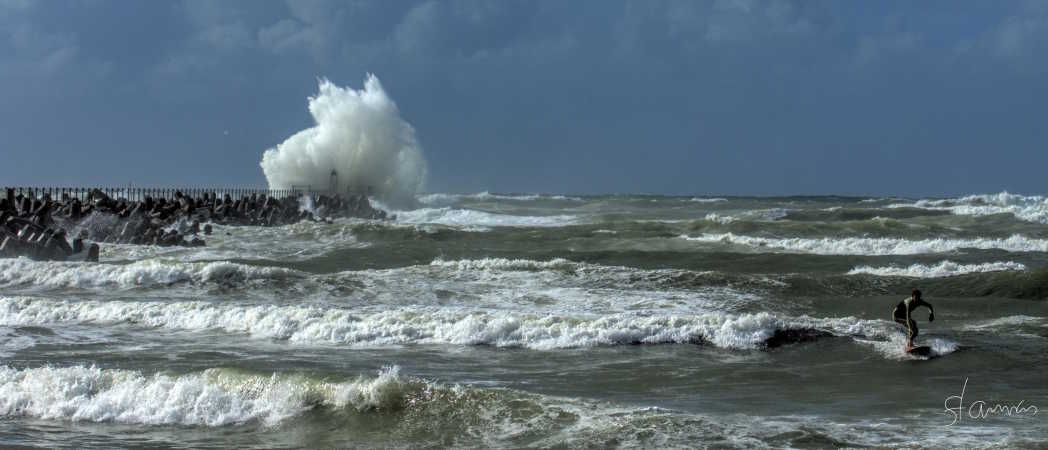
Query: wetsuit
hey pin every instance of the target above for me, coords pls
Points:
(903, 313)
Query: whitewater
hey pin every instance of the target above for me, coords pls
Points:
(534, 320)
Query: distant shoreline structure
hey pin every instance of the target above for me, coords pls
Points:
(38, 222)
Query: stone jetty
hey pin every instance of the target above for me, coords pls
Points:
(34, 226)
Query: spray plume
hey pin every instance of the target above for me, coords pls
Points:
(360, 135)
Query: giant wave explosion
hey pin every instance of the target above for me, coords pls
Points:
(360, 135)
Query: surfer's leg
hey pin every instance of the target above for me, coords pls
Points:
(913, 331)
(910, 326)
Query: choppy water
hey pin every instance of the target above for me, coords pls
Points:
(534, 321)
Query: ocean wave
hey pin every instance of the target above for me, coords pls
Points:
(942, 269)
(457, 217)
(295, 242)
(447, 199)
(467, 416)
(875, 246)
(426, 326)
(721, 219)
(768, 214)
(894, 347)
(554, 285)
(211, 398)
(22, 272)
(1031, 283)
(503, 264)
(11, 342)
(708, 200)
(629, 279)
(1029, 208)
(1017, 325)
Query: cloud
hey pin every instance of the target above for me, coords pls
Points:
(463, 29)
(218, 25)
(36, 52)
(1021, 36)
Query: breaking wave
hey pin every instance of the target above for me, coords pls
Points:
(466, 416)
(943, 269)
(214, 397)
(875, 246)
(472, 218)
(1033, 208)
(489, 264)
(442, 199)
(22, 272)
(313, 325)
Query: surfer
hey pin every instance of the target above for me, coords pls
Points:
(903, 313)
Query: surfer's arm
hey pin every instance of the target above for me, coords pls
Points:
(931, 311)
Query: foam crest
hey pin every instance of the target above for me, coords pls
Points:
(358, 133)
(503, 264)
(1008, 324)
(717, 218)
(22, 272)
(472, 218)
(942, 269)
(875, 246)
(1032, 208)
(214, 397)
(400, 326)
(448, 199)
(895, 346)
(708, 200)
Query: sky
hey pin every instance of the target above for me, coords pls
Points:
(737, 97)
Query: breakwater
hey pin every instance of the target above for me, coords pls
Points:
(55, 223)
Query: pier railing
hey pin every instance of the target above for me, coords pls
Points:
(140, 193)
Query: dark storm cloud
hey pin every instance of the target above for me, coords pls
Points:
(739, 97)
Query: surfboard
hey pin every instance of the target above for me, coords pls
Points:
(923, 350)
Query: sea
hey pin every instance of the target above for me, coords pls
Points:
(547, 321)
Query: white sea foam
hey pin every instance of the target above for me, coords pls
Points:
(507, 264)
(1009, 324)
(942, 269)
(895, 346)
(1030, 208)
(723, 220)
(536, 286)
(358, 133)
(442, 199)
(410, 326)
(473, 218)
(210, 398)
(520, 197)
(489, 417)
(15, 272)
(708, 200)
(875, 246)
